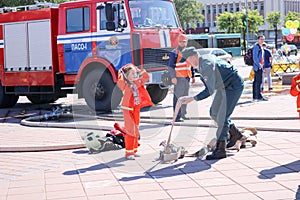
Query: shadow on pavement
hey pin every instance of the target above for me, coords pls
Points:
(174, 170)
(244, 102)
(293, 167)
(81, 152)
(298, 193)
(111, 164)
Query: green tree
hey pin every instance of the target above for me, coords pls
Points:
(254, 21)
(59, 1)
(273, 19)
(291, 16)
(236, 23)
(11, 3)
(189, 11)
(228, 22)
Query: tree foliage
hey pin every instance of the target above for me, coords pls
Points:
(189, 11)
(254, 22)
(11, 3)
(236, 22)
(273, 19)
(292, 16)
(228, 22)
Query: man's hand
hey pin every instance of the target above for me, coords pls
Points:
(193, 80)
(174, 81)
(186, 99)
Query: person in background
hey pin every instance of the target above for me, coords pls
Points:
(267, 68)
(181, 73)
(222, 80)
(258, 64)
(285, 50)
(295, 90)
(144, 19)
(131, 81)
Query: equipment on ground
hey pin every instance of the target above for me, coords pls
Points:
(172, 152)
(249, 137)
(205, 149)
(96, 144)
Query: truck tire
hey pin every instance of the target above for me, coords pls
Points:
(41, 98)
(156, 93)
(12, 101)
(100, 92)
(7, 100)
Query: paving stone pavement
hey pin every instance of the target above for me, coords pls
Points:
(270, 170)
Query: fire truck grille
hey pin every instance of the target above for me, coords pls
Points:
(156, 58)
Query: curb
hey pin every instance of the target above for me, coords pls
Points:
(42, 148)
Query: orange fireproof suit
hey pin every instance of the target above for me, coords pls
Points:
(295, 90)
(131, 110)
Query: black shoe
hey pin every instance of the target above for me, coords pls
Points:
(218, 153)
(235, 135)
(185, 118)
(262, 99)
(179, 120)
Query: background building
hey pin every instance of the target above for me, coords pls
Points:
(213, 8)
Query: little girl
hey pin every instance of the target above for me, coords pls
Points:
(131, 81)
(295, 90)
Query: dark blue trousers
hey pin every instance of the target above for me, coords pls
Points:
(222, 107)
(256, 88)
(181, 89)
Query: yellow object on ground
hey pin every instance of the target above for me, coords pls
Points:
(284, 67)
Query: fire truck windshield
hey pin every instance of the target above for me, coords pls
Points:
(153, 14)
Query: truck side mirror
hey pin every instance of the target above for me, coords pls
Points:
(110, 17)
(110, 26)
(109, 12)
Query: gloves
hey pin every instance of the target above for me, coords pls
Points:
(119, 128)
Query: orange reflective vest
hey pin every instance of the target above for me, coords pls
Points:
(182, 69)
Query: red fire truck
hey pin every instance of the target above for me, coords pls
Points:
(48, 50)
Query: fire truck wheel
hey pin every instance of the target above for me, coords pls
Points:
(99, 91)
(7, 100)
(156, 93)
(12, 101)
(41, 98)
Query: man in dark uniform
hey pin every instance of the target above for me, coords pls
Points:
(222, 79)
(180, 73)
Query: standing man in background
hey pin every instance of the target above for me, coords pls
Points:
(180, 73)
(258, 64)
(267, 68)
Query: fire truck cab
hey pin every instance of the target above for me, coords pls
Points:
(47, 51)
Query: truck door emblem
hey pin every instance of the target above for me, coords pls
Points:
(113, 41)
